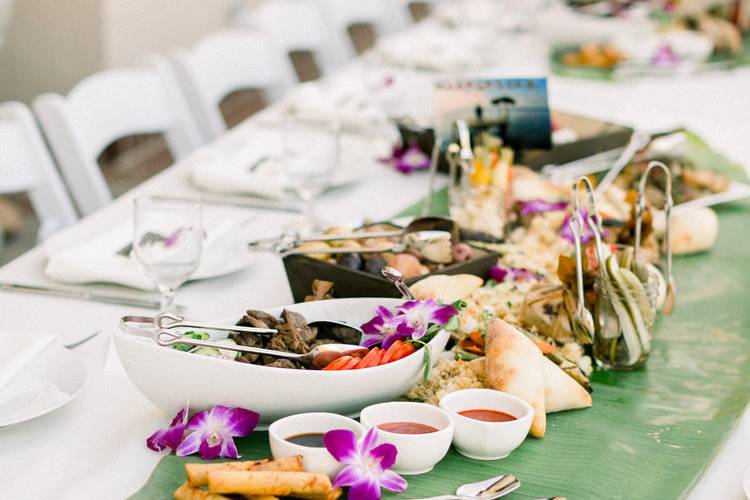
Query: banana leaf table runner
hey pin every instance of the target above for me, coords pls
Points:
(721, 61)
(650, 433)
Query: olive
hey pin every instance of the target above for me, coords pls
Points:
(374, 264)
(350, 260)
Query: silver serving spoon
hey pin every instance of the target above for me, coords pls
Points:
(318, 358)
(502, 485)
(397, 278)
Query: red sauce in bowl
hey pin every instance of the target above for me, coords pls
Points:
(407, 428)
(488, 415)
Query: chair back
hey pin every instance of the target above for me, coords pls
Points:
(385, 16)
(224, 62)
(26, 166)
(299, 25)
(105, 107)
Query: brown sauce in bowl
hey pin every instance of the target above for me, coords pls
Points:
(407, 428)
(311, 440)
(488, 415)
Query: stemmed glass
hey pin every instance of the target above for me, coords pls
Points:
(167, 240)
(310, 158)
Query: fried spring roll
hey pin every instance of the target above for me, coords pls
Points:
(197, 474)
(334, 494)
(188, 492)
(262, 483)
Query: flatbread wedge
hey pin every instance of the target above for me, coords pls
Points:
(514, 365)
(561, 392)
(446, 288)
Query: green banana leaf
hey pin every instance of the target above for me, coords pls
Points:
(650, 433)
(558, 67)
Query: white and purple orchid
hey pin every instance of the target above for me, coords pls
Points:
(366, 464)
(408, 159)
(211, 432)
(420, 314)
(511, 274)
(170, 437)
(385, 328)
(411, 320)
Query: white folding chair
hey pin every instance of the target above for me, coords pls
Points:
(105, 107)
(26, 166)
(297, 25)
(385, 16)
(224, 62)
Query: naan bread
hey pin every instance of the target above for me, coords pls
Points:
(561, 392)
(446, 288)
(514, 365)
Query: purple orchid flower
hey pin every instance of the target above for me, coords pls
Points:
(665, 56)
(588, 234)
(385, 328)
(511, 274)
(407, 160)
(530, 207)
(419, 314)
(366, 464)
(213, 432)
(170, 437)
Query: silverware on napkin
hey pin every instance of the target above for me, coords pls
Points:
(81, 295)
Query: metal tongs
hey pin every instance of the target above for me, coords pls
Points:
(319, 357)
(583, 321)
(458, 155)
(669, 300)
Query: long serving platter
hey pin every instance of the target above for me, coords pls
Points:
(650, 433)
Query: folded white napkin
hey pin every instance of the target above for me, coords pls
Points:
(98, 261)
(18, 352)
(347, 103)
(435, 48)
(253, 169)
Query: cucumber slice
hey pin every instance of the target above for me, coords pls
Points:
(638, 294)
(218, 353)
(628, 322)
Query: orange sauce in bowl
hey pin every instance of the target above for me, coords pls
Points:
(488, 415)
(407, 428)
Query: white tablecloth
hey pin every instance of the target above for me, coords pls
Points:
(95, 446)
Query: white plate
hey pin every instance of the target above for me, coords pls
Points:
(169, 378)
(50, 382)
(746, 481)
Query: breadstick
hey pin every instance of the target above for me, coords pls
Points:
(188, 492)
(197, 474)
(263, 483)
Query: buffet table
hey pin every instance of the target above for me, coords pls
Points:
(95, 446)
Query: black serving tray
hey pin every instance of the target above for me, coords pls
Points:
(595, 136)
(302, 270)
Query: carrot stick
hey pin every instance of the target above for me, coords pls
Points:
(393, 349)
(368, 360)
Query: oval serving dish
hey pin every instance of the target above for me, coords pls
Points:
(169, 378)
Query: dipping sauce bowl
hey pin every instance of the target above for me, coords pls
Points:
(421, 432)
(316, 459)
(485, 440)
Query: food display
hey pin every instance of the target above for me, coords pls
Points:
(595, 55)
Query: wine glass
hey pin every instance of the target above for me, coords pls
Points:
(167, 240)
(310, 158)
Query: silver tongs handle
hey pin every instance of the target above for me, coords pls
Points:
(638, 141)
(166, 321)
